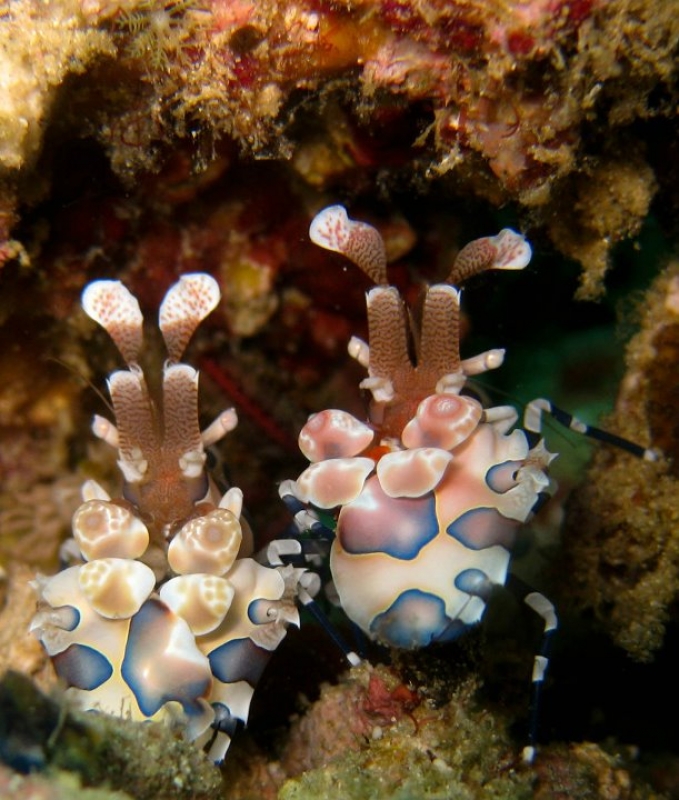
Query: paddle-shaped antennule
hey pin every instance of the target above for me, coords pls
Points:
(507, 250)
(117, 311)
(359, 242)
(185, 306)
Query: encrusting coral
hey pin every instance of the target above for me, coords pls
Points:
(374, 736)
(41, 46)
(502, 100)
(621, 535)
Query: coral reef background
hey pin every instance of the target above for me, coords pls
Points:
(142, 139)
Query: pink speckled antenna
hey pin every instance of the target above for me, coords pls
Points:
(185, 306)
(507, 250)
(359, 242)
(117, 311)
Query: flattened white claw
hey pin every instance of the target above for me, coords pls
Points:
(219, 427)
(104, 530)
(105, 430)
(191, 463)
(233, 501)
(165, 668)
(184, 307)
(359, 350)
(412, 473)
(116, 587)
(334, 434)
(202, 600)
(60, 589)
(207, 544)
(116, 309)
(91, 490)
(336, 482)
(47, 624)
(260, 592)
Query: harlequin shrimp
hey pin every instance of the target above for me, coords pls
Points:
(423, 501)
(163, 614)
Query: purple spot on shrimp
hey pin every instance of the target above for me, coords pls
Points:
(501, 477)
(474, 582)
(377, 523)
(162, 662)
(82, 666)
(258, 611)
(415, 619)
(239, 660)
(483, 527)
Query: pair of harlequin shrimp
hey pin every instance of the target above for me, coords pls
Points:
(164, 614)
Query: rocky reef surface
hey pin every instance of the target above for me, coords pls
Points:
(142, 139)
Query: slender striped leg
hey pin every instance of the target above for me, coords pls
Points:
(532, 421)
(284, 551)
(321, 524)
(322, 618)
(544, 608)
(482, 588)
